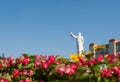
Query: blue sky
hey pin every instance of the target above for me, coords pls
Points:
(44, 26)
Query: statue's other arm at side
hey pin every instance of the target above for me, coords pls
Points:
(82, 39)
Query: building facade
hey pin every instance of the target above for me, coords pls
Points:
(113, 47)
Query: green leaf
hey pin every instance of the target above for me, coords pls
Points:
(106, 80)
(82, 76)
(19, 65)
(99, 79)
(85, 75)
(30, 65)
(82, 68)
(91, 77)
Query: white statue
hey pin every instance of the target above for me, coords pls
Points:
(80, 41)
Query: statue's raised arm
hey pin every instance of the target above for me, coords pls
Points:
(73, 35)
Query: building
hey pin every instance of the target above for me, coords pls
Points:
(113, 47)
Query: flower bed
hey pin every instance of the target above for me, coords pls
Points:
(39, 68)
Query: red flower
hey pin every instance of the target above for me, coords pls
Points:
(30, 72)
(20, 59)
(114, 69)
(25, 61)
(10, 59)
(119, 73)
(0, 65)
(3, 80)
(106, 73)
(82, 61)
(73, 66)
(111, 58)
(37, 61)
(25, 72)
(45, 65)
(51, 59)
(60, 69)
(100, 58)
(68, 70)
(15, 73)
(92, 61)
(26, 80)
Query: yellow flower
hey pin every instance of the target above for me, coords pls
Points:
(74, 57)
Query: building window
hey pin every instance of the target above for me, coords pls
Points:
(118, 47)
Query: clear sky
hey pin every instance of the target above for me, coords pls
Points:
(44, 26)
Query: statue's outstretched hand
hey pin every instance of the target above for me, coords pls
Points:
(73, 35)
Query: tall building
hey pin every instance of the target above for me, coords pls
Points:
(112, 47)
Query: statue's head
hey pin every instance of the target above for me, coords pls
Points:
(79, 33)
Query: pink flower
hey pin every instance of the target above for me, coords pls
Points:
(68, 70)
(10, 59)
(73, 66)
(37, 62)
(45, 66)
(25, 61)
(27, 80)
(20, 81)
(37, 57)
(118, 53)
(92, 61)
(106, 73)
(0, 65)
(20, 59)
(3, 80)
(60, 69)
(25, 72)
(30, 72)
(80, 64)
(114, 69)
(42, 56)
(51, 59)
(15, 73)
(82, 61)
(118, 73)
(20, 73)
(100, 58)
(111, 58)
